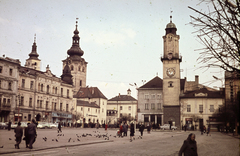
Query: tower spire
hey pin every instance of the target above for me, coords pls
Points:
(34, 53)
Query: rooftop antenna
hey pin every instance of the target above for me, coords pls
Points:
(34, 38)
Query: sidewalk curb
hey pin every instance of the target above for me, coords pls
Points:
(61, 146)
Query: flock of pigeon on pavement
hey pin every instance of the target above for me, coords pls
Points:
(97, 135)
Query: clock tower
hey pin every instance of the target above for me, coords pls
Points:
(171, 75)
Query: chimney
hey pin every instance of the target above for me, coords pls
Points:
(196, 81)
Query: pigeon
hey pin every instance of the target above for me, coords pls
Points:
(1, 147)
(69, 140)
(45, 139)
(57, 140)
(52, 139)
(10, 139)
(78, 140)
(63, 134)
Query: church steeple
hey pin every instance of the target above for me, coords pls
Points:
(75, 50)
(33, 61)
(171, 27)
(34, 54)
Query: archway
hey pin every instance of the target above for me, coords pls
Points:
(38, 117)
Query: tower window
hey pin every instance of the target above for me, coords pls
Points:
(170, 84)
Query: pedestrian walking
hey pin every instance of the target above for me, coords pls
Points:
(32, 134)
(148, 128)
(201, 130)
(18, 134)
(106, 126)
(132, 132)
(59, 127)
(141, 129)
(208, 130)
(26, 136)
(125, 129)
(185, 127)
(189, 147)
(121, 130)
(9, 125)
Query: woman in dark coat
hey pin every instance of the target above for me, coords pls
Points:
(9, 125)
(131, 132)
(189, 147)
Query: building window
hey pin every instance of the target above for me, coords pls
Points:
(211, 108)
(55, 106)
(60, 106)
(67, 108)
(42, 87)
(39, 87)
(188, 108)
(68, 93)
(0, 69)
(96, 110)
(129, 107)
(103, 110)
(80, 83)
(22, 101)
(41, 103)
(153, 96)
(4, 101)
(23, 83)
(99, 111)
(72, 67)
(46, 105)
(47, 89)
(10, 72)
(200, 108)
(89, 109)
(56, 90)
(159, 106)
(30, 102)
(129, 114)
(153, 106)
(83, 70)
(120, 115)
(79, 68)
(170, 84)
(158, 96)
(9, 86)
(146, 106)
(146, 96)
(61, 91)
(8, 102)
(31, 85)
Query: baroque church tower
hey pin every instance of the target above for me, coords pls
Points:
(33, 61)
(77, 64)
(171, 75)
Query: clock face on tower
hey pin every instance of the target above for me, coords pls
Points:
(170, 72)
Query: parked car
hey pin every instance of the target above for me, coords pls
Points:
(167, 126)
(24, 124)
(53, 125)
(43, 125)
(14, 125)
(3, 125)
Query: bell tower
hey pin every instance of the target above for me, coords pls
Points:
(171, 75)
(77, 64)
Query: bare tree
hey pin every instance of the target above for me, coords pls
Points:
(218, 30)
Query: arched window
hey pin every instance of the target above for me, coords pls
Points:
(47, 89)
(53, 89)
(42, 87)
(56, 90)
(79, 68)
(39, 87)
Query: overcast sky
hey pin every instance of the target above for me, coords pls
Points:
(121, 39)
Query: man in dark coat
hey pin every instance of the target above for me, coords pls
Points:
(132, 131)
(125, 129)
(189, 147)
(59, 127)
(9, 125)
(26, 136)
(32, 134)
(19, 133)
(141, 129)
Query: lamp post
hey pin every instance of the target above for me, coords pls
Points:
(19, 102)
(135, 85)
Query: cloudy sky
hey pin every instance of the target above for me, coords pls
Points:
(121, 39)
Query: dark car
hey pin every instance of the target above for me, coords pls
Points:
(3, 125)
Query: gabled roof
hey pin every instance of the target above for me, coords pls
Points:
(123, 98)
(87, 104)
(156, 82)
(89, 92)
(203, 93)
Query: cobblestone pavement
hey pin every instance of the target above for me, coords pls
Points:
(162, 143)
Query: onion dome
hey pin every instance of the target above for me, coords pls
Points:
(75, 50)
(171, 27)
(34, 54)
